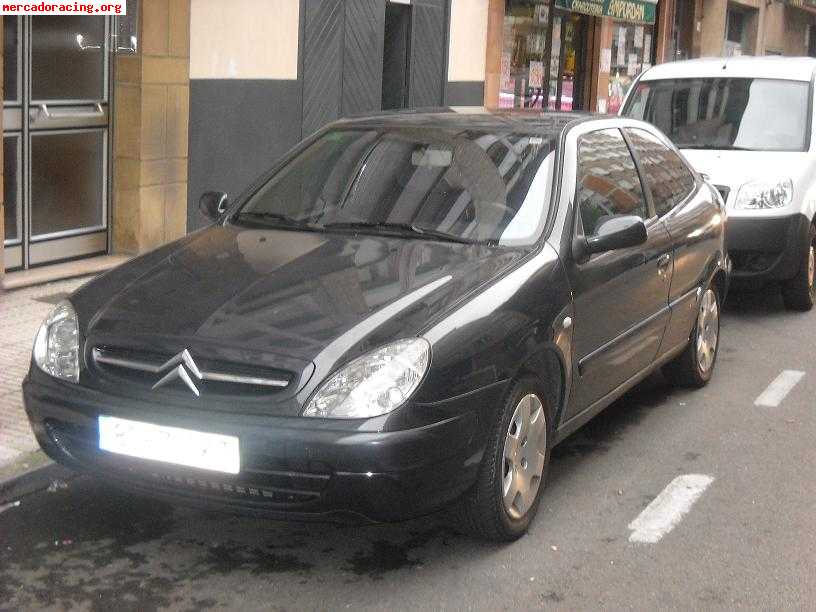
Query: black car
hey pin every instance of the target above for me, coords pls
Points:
(408, 311)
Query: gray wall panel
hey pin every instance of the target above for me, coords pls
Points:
(465, 93)
(363, 56)
(238, 128)
(322, 49)
(428, 46)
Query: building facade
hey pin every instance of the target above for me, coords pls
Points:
(113, 127)
(706, 28)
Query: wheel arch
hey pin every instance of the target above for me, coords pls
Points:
(720, 282)
(548, 368)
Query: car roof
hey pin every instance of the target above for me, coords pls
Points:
(549, 123)
(769, 67)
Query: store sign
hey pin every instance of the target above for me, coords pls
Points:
(802, 3)
(639, 11)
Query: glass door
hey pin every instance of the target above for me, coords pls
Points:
(13, 142)
(566, 70)
(62, 142)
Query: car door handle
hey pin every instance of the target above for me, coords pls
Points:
(663, 261)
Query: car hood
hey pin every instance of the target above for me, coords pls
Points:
(306, 296)
(733, 169)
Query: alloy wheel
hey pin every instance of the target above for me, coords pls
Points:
(708, 331)
(525, 448)
(811, 267)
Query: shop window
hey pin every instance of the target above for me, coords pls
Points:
(735, 32)
(542, 63)
(632, 52)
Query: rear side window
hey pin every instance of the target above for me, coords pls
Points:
(608, 182)
(666, 176)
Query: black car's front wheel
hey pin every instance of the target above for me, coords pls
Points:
(505, 498)
(695, 365)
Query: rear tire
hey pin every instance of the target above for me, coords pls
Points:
(506, 496)
(799, 293)
(695, 365)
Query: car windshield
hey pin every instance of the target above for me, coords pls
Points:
(462, 186)
(726, 113)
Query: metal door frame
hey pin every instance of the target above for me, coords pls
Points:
(25, 106)
(16, 128)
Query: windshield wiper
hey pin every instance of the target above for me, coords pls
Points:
(278, 218)
(400, 228)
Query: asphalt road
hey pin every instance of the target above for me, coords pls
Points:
(749, 541)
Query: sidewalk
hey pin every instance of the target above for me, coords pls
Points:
(21, 312)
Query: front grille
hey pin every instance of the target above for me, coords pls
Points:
(184, 371)
(253, 486)
(724, 192)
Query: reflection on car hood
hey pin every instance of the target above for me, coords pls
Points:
(287, 292)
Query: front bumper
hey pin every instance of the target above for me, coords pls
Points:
(291, 468)
(766, 249)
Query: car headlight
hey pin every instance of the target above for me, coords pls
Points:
(56, 348)
(762, 195)
(374, 384)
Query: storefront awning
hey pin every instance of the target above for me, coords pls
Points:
(637, 11)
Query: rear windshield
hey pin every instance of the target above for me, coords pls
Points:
(474, 186)
(726, 113)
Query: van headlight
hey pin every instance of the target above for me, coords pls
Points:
(56, 348)
(374, 384)
(762, 195)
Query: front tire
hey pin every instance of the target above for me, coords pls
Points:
(695, 365)
(507, 493)
(799, 293)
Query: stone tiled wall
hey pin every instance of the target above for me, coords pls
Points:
(786, 29)
(152, 94)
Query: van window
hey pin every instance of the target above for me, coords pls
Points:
(726, 113)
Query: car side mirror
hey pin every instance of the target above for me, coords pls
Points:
(213, 204)
(612, 233)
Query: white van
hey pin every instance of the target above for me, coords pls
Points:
(747, 123)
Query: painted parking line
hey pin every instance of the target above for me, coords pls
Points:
(779, 388)
(668, 509)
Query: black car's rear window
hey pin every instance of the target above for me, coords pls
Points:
(475, 186)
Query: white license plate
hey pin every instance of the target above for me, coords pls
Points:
(207, 451)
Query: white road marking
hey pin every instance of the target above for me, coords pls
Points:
(668, 508)
(779, 388)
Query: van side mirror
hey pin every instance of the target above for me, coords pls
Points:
(213, 204)
(612, 233)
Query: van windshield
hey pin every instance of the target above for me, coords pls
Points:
(726, 113)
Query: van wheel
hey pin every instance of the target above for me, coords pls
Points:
(506, 495)
(695, 365)
(799, 293)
